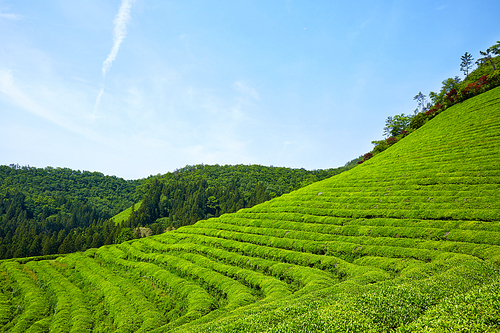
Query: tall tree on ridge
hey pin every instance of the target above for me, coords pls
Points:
(420, 98)
(466, 65)
(487, 55)
(495, 49)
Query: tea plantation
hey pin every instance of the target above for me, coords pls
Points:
(408, 241)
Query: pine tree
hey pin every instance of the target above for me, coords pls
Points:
(466, 65)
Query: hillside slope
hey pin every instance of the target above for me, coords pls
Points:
(408, 241)
(198, 192)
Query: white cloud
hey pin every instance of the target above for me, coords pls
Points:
(243, 88)
(10, 16)
(16, 96)
(48, 102)
(119, 33)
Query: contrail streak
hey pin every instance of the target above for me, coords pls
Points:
(119, 33)
(97, 102)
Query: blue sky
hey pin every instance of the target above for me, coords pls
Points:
(134, 88)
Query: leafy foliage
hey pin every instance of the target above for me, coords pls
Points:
(396, 125)
(48, 211)
(453, 91)
(199, 192)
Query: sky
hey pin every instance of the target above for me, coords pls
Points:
(133, 88)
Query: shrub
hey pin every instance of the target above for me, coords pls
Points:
(380, 146)
(434, 109)
(494, 79)
(451, 97)
(418, 121)
(392, 140)
(469, 90)
(483, 80)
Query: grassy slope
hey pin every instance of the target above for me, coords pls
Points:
(125, 214)
(407, 241)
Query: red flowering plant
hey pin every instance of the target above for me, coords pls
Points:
(434, 109)
(451, 97)
(392, 140)
(481, 83)
(367, 156)
(483, 80)
(469, 91)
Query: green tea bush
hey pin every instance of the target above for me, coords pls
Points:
(125, 316)
(197, 301)
(70, 312)
(35, 303)
(474, 311)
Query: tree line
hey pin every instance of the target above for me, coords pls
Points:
(200, 192)
(454, 90)
(50, 210)
(45, 211)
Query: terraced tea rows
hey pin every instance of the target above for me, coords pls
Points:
(408, 241)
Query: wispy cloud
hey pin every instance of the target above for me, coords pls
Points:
(49, 107)
(10, 16)
(16, 96)
(119, 33)
(243, 88)
(97, 102)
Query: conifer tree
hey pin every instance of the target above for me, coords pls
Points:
(466, 65)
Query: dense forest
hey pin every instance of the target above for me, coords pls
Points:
(199, 192)
(57, 210)
(46, 211)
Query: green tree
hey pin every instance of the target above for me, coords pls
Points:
(420, 98)
(395, 125)
(487, 56)
(495, 49)
(97, 240)
(448, 84)
(212, 205)
(125, 234)
(466, 65)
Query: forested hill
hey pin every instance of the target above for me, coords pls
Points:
(40, 208)
(198, 192)
(44, 187)
(46, 211)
